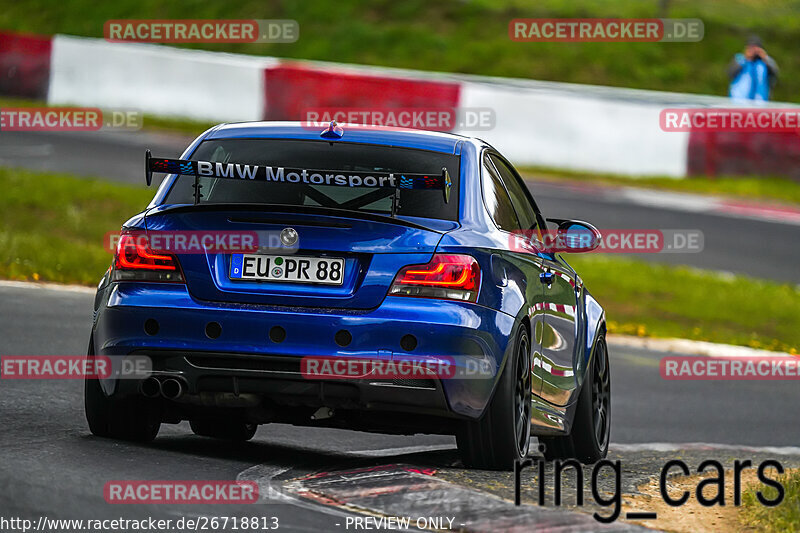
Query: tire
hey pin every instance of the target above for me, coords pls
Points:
(232, 430)
(502, 434)
(591, 428)
(133, 419)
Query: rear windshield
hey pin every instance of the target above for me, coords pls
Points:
(322, 155)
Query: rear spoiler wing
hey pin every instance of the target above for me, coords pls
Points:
(282, 175)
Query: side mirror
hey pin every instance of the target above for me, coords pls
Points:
(575, 236)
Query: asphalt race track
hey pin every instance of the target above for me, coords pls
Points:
(52, 466)
(117, 156)
(741, 245)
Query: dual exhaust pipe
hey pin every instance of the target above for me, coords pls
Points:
(169, 388)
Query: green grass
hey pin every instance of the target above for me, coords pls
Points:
(52, 226)
(667, 301)
(472, 36)
(784, 517)
(765, 188)
(175, 125)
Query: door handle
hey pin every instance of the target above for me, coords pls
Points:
(546, 278)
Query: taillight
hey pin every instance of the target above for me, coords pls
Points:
(135, 261)
(450, 277)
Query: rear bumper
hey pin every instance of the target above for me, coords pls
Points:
(242, 358)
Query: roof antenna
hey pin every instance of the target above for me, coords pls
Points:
(333, 131)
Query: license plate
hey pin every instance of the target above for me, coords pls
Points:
(293, 269)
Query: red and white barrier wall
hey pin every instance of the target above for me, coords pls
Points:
(744, 153)
(24, 65)
(292, 89)
(160, 80)
(559, 125)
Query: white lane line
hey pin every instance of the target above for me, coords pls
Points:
(710, 205)
(645, 446)
(690, 347)
(673, 447)
(48, 286)
(669, 200)
(388, 452)
(771, 213)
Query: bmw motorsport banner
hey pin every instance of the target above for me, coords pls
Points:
(291, 175)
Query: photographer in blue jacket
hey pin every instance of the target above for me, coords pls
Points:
(752, 73)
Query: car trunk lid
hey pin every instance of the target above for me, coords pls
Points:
(374, 248)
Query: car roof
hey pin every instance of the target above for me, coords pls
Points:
(408, 138)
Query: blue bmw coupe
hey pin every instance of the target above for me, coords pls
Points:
(370, 244)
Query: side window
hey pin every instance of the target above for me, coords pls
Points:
(497, 201)
(520, 198)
